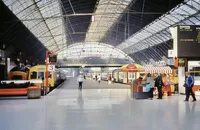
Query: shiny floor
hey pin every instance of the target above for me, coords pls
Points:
(97, 107)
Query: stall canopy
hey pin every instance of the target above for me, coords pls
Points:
(132, 68)
(160, 70)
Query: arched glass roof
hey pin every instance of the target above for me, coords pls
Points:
(41, 18)
(82, 50)
(186, 13)
(128, 25)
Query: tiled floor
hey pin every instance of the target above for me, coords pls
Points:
(110, 108)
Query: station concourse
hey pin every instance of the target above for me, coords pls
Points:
(97, 106)
(124, 52)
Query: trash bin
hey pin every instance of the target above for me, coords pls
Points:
(34, 92)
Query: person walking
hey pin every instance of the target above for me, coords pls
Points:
(159, 84)
(96, 77)
(189, 85)
(80, 80)
(93, 76)
(109, 79)
(99, 78)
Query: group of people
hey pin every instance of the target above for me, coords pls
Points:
(159, 82)
(151, 81)
(97, 78)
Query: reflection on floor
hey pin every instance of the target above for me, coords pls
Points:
(98, 109)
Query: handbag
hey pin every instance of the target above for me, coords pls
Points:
(185, 85)
(148, 87)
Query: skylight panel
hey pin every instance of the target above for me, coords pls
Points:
(34, 14)
(174, 16)
(112, 11)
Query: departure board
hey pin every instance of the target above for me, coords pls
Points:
(189, 41)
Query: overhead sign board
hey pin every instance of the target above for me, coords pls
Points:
(188, 41)
(170, 53)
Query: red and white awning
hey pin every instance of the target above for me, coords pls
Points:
(158, 69)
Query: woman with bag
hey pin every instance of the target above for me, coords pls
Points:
(150, 85)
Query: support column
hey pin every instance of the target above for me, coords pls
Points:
(181, 79)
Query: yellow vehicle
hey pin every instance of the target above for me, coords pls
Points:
(17, 73)
(39, 72)
(54, 78)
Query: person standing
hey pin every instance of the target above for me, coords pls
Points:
(166, 84)
(93, 76)
(159, 84)
(109, 79)
(189, 86)
(96, 77)
(150, 80)
(99, 78)
(80, 80)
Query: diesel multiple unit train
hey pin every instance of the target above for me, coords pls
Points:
(37, 72)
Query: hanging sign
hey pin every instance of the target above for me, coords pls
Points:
(51, 68)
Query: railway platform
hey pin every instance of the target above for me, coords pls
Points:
(97, 107)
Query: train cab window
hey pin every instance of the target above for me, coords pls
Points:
(40, 75)
(16, 77)
(33, 75)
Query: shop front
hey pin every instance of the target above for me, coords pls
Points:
(194, 69)
(134, 71)
(168, 75)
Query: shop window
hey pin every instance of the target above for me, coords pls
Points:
(33, 75)
(195, 71)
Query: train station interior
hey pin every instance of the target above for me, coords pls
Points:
(99, 64)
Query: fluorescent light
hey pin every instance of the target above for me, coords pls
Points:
(93, 18)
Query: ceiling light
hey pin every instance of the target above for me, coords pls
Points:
(92, 18)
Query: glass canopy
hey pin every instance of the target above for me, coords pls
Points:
(106, 14)
(81, 50)
(41, 18)
(158, 31)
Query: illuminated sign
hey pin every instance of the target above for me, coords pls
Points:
(52, 57)
(182, 62)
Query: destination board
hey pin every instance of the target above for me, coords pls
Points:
(189, 41)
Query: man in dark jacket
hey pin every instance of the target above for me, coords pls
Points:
(188, 87)
(159, 84)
